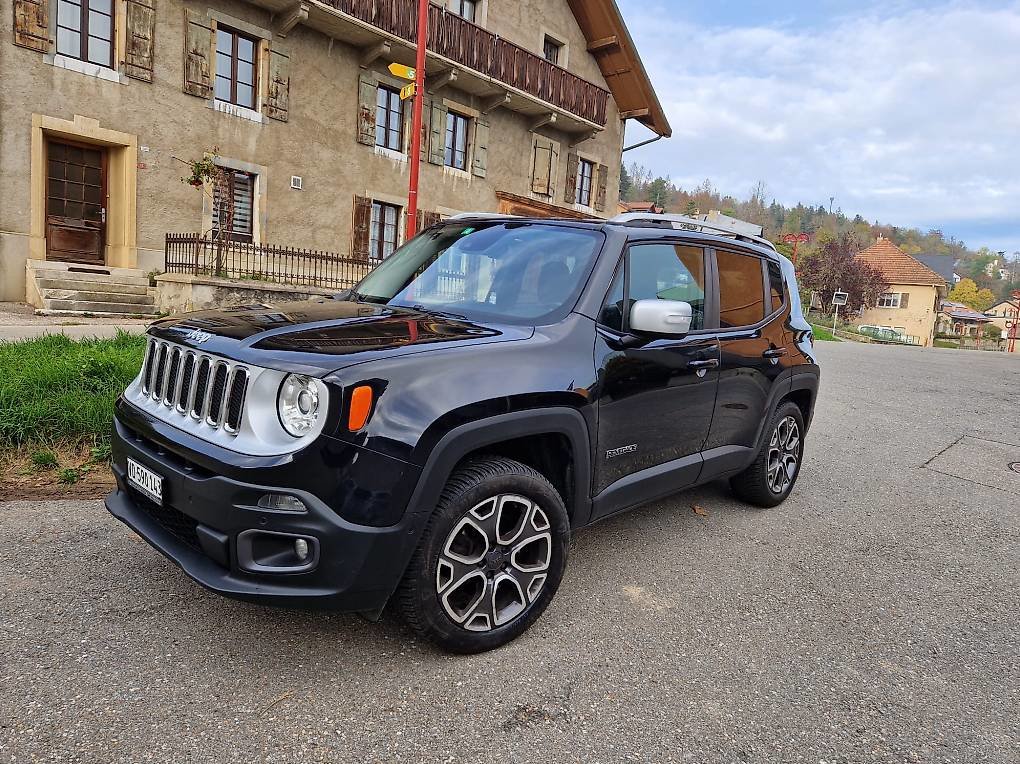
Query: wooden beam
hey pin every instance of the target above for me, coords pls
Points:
(297, 14)
(441, 80)
(494, 102)
(582, 137)
(545, 119)
(603, 44)
(373, 52)
(635, 113)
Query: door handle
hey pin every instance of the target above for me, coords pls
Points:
(774, 353)
(706, 363)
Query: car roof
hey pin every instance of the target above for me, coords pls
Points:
(644, 230)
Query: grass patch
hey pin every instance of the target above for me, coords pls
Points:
(44, 459)
(55, 390)
(955, 345)
(822, 334)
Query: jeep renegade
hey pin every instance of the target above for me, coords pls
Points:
(434, 436)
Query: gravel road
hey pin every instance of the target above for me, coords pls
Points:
(874, 617)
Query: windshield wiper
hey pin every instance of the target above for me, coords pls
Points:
(437, 312)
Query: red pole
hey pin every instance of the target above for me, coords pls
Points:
(416, 119)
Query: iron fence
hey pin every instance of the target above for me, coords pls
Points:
(199, 255)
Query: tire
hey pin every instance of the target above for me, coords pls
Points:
(499, 528)
(774, 471)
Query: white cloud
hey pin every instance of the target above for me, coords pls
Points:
(911, 117)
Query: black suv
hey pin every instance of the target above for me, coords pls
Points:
(434, 436)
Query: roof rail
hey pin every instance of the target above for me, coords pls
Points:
(465, 215)
(684, 223)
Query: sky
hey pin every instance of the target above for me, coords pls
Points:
(908, 113)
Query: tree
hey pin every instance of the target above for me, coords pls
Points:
(836, 267)
(691, 209)
(660, 191)
(626, 184)
(968, 293)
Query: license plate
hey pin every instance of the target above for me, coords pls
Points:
(145, 480)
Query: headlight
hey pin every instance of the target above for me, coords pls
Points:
(298, 404)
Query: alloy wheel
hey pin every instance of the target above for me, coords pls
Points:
(784, 455)
(494, 563)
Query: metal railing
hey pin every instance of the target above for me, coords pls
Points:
(199, 255)
(476, 48)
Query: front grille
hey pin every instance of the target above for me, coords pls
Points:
(209, 388)
(178, 524)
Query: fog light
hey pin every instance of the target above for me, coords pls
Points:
(301, 549)
(279, 502)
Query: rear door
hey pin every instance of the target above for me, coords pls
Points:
(655, 399)
(754, 344)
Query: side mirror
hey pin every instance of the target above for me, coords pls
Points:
(661, 317)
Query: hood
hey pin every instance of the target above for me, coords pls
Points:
(326, 334)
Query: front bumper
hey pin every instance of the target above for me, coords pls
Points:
(208, 506)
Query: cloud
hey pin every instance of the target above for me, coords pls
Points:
(908, 115)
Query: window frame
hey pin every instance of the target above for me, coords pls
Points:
(247, 237)
(766, 291)
(377, 255)
(83, 32)
(460, 5)
(549, 41)
(456, 118)
(391, 93)
(235, 36)
(582, 190)
(898, 299)
(711, 322)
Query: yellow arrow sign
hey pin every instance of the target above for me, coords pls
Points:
(399, 70)
(407, 92)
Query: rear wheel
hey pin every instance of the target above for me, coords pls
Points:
(490, 560)
(772, 475)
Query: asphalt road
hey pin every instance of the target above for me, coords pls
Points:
(874, 617)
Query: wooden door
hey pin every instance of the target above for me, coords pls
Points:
(75, 203)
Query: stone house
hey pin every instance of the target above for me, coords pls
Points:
(106, 101)
(911, 305)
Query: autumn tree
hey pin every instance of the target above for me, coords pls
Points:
(970, 295)
(836, 267)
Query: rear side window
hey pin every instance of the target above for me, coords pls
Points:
(776, 288)
(741, 290)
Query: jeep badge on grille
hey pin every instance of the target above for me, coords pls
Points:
(198, 336)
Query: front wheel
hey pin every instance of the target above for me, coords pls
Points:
(773, 473)
(490, 559)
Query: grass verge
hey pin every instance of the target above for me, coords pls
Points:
(822, 334)
(56, 408)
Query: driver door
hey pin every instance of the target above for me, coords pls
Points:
(656, 399)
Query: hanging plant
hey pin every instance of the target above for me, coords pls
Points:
(203, 170)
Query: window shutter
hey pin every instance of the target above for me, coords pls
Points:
(426, 218)
(32, 24)
(368, 86)
(278, 96)
(426, 111)
(602, 178)
(570, 189)
(362, 224)
(904, 299)
(197, 49)
(437, 133)
(480, 163)
(140, 22)
(541, 176)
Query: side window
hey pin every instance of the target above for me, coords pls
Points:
(670, 272)
(611, 315)
(776, 288)
(741, 290)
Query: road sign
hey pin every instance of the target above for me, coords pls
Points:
(407, 92)
(839, 298)
(404, 72)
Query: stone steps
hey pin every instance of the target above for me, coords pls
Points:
(94, 286)
(91, 307)
(68, 289)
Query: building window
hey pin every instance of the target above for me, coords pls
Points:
(389, 119)
(889, 300)
(85, 30)
(468, 9)
(235, 68)
(585, 170)
(383, 231)
(234, 205)
(456, 140)
(551, 49)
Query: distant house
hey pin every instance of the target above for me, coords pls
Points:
(961, 320)
(1005, 313)
(640, 207)
(944, 265)
(911, 305)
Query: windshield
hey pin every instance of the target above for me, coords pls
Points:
(517, 273)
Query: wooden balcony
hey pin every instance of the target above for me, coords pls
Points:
(479, 61)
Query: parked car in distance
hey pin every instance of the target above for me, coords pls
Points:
(433, 438)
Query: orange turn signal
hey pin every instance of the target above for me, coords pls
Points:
(361, 407)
